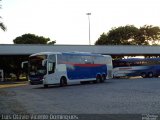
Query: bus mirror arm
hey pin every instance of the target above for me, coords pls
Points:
(22, 64)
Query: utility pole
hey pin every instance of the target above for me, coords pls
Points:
(89, 27)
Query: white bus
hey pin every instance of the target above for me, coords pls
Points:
(49, 68)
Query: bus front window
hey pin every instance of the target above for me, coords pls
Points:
(35, 66)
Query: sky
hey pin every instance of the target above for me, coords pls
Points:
(66, 21)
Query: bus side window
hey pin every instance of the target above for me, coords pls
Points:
(88, 60)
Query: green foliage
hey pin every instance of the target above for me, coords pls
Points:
(2, 26)
(151, 33)
(102, 40)
(32, 39)
(52, 42)
(130, 35)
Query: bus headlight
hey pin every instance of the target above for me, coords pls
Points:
(43, 78)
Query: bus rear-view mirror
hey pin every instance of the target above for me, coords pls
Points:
(44, 62)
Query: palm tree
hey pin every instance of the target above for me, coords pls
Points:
(2, 26)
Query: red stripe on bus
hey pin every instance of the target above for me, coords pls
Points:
(83, 65)
(125, 68)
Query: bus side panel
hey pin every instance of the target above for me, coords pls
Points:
(85, 71)
(145, 69)
(157, 70)
(135, 70)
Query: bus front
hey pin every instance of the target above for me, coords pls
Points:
(37, 69)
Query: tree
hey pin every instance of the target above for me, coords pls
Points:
(2, 26)
(102, 40)
(121, 35)
(52, 42)
(151, 34)
(32, 39)
(130, 35)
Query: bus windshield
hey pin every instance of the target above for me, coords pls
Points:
(35, 66)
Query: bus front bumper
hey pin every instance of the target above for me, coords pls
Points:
(35, 82)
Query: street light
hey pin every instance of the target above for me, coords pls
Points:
(89, 26)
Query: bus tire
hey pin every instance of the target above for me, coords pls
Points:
(82, 82)
(103, 78)
(94, 81)
(150, 74)
(116, 77)
(45, 86)
(156, 76)
(98, 79)
(63, 81)
(143, 75)
(31, 83)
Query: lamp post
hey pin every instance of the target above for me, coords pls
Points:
(89, 27)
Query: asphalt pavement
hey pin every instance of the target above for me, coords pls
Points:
(113, 97)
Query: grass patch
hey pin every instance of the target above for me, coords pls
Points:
(12, 84)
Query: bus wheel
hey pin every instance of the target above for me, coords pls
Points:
(150, 74)
(143, 75)
(31, 83)
(156, 76)
(94, 81)
(103, 78)
(82, 82)
(63, 81)
(45, 86)
(98, 79)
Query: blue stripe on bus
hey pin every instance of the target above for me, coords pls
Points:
(85, 72)
(154, 69)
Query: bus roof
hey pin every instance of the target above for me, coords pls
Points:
(68, 53)
(81, 53)
(138, 59)
(44, 53)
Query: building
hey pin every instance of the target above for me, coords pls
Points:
(13, 54)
